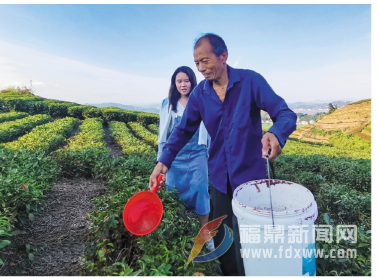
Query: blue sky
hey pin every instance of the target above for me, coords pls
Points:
(127, 53)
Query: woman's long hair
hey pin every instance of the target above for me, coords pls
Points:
(173, 94)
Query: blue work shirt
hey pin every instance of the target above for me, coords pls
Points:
(234, 127)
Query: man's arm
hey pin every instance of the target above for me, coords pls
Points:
(181, 135)
(284, 119)
(184, 131)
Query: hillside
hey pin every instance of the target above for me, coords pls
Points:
(354, 118)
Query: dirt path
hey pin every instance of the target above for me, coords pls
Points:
(58, 234)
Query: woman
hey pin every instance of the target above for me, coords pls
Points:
(188, 172)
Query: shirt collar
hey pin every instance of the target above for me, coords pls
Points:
(233, 77)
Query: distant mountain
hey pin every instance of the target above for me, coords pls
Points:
(317, 106)
(149, 109)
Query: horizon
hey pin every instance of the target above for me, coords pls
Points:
(127, 53)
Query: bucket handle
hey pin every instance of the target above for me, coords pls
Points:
(270, 174)
(270, 166)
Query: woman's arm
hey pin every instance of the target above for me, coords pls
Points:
(161, 121)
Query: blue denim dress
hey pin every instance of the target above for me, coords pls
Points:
(189, 175)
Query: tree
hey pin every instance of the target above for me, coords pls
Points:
(331, 108)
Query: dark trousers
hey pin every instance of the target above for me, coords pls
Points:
(231, 261)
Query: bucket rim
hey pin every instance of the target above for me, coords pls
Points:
(267, 212)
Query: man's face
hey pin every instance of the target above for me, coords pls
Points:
(211, 66)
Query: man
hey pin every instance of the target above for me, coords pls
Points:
(229, 102)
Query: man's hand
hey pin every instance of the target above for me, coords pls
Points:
(270, 141)
(160, 168)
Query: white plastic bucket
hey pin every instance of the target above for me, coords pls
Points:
(266, 248)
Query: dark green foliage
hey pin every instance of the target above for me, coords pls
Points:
(59, 109)
(316, 169)
(145, 118)
(118, 114)
(341, 189)
(345, 204)
(332, 108)
(78, 111)
(80, 163)
(342, 205)
(160, 252)
(123, 115)
(34, 105)
(24, 176)
(360, 266)
(92, 113)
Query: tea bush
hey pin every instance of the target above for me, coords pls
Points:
(59, 109)
(297, 147)
(11, 116)
(24, 176)
(153, 128)
(92, 113)
(118, 114)
(116, 251)
(79, 156)
(78, 111)
(355, 173)
(129, 144)
(11, 130)
(45, 137)
(145, 118)
(144, 134)
(345, 204)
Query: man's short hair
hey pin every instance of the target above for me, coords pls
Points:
(217, 43)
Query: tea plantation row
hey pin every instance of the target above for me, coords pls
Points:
(339, 179)
(16, 102)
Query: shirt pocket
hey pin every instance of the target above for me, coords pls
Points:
(242, 118)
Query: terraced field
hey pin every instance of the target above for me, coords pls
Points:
(352, 119)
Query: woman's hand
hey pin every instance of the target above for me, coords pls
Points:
(160, 168)
(270, 141)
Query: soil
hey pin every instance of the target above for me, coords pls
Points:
(58, 234)
(115, 149)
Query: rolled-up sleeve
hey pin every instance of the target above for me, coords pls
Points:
(184, 131)
(284, 119)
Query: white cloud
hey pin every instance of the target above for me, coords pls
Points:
(343, 80)
(70, 80)
(76, 81)
(39, 83)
